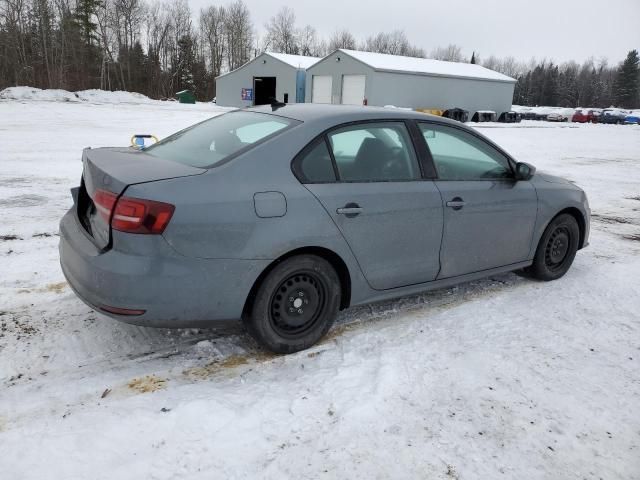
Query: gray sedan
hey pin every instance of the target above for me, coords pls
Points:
(283, 215)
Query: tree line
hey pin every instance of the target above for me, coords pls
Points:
(160, 48)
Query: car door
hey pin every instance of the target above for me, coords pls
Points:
(489, 217)
(368, 178)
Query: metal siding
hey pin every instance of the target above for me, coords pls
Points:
(422, 91)
(229, 86)
(346, 66)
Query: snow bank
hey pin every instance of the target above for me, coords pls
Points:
(32, 93)
(104, 96)
(57, 95)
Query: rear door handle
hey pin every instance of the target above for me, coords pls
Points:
(350, 210)
(456, 203)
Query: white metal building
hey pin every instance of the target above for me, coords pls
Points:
(268, 75)
(354, 77)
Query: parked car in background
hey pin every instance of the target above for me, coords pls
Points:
(633, 118)
(562, 115)
(484, 116)
(510, 117)
(582, 115)
(613, 115)
(541, 113)
(283, 215)
(526, 113)
(458, 114)
(595, 114)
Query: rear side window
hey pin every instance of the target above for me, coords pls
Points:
(374, 152)
(315, 164)
(208, 143)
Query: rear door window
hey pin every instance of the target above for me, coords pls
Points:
(374, 152)
(211, 142)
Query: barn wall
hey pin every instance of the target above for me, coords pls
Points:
(422, 91)
(330, 66)
(229, 87)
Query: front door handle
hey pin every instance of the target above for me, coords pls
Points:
(350, 210)
(456, 203)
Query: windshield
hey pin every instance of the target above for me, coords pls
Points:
(210, 142)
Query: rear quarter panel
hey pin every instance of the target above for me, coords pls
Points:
(215, 216)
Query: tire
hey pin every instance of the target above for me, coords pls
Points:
(556, 250)
(295, 305)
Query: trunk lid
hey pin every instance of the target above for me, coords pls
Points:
(113, 170)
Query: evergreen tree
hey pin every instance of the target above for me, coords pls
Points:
(626, 87)
(473, 58)
(84, 16)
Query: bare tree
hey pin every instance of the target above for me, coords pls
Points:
(342, 39)
(309, 43)
(450, 53)
(238, 34)
(393, 43)
(282, 35)
(212, 26)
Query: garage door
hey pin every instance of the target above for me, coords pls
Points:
(321, 89)
(353, 89)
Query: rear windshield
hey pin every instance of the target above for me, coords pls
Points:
(210, 142)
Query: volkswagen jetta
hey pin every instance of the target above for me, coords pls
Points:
(283, 215)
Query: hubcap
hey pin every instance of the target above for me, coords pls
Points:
(297, 303)
(557, 247)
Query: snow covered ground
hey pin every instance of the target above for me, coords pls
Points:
(500, 378)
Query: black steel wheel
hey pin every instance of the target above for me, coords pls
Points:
(557, 249)
(295, 305)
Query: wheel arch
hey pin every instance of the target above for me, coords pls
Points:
(329, 255)
(579, 216)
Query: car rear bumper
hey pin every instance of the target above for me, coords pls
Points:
(148, 275)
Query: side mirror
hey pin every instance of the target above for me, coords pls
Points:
(524, 171)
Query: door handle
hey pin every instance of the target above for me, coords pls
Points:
(456, 203)
(350, 210)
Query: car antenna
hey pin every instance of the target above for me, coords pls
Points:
(276, 104)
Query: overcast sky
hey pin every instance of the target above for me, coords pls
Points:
(556, 29)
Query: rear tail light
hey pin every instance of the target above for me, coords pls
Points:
(133, 215)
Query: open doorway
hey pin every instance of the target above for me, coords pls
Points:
(264, 89)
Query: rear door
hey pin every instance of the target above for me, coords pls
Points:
(368, 179)
(489, 217)
(321, 88)
(353, 89)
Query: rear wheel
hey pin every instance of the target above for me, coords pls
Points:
(556, 250)
(295, 305)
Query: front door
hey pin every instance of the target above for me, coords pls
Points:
(264, 89)
(390, 217)
(489, 217)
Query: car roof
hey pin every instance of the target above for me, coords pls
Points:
(326, 113)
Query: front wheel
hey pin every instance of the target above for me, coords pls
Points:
(557, 249)
(295, 305)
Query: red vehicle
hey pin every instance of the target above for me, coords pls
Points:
(583, 116)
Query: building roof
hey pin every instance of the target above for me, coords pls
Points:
(295, 61)
(298, 61)
(425, 66)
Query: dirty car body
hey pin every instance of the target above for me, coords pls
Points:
(187, 232)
